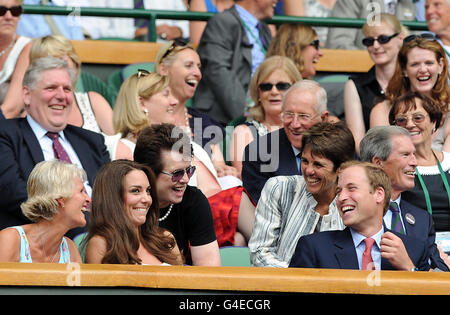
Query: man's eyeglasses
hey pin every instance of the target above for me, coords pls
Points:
(303, 118)
(402, 121)
(15, 11)
(315, 44)
(142, 73)
(178, 174)
(281, 86)
(178, 42)
(425, 36)
(382, 39)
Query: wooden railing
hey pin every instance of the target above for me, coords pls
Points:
(237, 279)
(128, 52)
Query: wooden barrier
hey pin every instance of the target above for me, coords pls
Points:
(237, 279)
(128, 52)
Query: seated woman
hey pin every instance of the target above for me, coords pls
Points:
(123, 227)
(383, 41)
(55, 205)
(272, 78)
(153, 103)
(92, 110)
(420, 115)
(421, 67)
(184, 209)
(14, 51)
(300, 43)
(293, 206)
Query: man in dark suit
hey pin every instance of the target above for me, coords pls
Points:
(363, 196)
(391, 148)
(48, 98)
(278, 153)
(232, 46)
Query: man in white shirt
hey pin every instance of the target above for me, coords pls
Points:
(437, 15)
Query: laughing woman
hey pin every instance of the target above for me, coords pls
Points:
(55, 205)
(420, 115)
(421, 67)
(124, 221)
(292, 206)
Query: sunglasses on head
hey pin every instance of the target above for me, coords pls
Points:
(316, 44)
(382, 39)
(142, 73)
(281, 86)
(178, 42)
(425, 36)
(15, 11)
(178, 174)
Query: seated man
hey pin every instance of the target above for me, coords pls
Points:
(278, 152)
(391, 148)
(44, 135)
(364, 192)
(184, 209)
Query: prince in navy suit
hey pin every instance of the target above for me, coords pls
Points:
(48, 98)
(391, 148)
(363, 196)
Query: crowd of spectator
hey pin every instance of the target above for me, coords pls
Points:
(157, 178)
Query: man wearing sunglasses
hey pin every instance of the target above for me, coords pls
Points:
(278, 153)
(351, 38)
(184, 209)
(437, 15)
(232, 46)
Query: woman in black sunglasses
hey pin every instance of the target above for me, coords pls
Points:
(421, 67)
(271, 80)
(14, 61)
(383, 43)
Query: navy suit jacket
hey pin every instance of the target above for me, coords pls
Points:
(420, 225)
(335, 250)
(265, 157)
(20, 152)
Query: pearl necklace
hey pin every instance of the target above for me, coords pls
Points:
(167, 213)
(4, 51)
(186, 122)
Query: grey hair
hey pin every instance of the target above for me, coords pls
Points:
(49, 181)
(378, 142)
(34, 71)
(314, 87)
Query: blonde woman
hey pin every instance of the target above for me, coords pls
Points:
(300, 43)
(92, 110)
(55, 205)
(383, 42)
(269, 83)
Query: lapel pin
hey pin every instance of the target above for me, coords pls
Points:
(410, 218)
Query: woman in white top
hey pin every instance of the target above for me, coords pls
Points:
(56, 202)
(14, 61)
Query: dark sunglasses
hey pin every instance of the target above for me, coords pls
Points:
(15, 11)
(315, 44)
(178, 42)
(178, 175)
(382, 39)
(142, 73)
(425, 36)
(281, 86)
